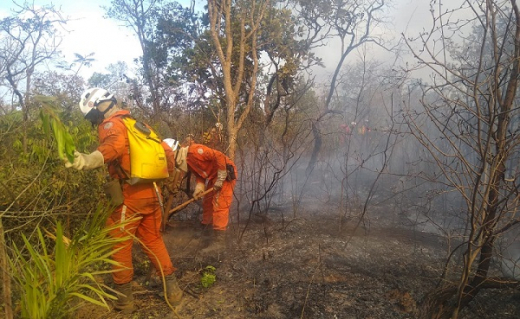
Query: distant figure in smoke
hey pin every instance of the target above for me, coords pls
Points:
(345, 133)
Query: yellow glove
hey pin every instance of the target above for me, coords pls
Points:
(199, 189)
(86, 161)
(221, 177)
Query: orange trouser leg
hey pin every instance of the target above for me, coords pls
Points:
(151, 237)
(207, 209)
(123, 272)
(215, 206)
(146, 230)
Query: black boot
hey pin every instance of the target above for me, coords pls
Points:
(206, 234)
(125, 298)
(173, 292)
(218, 242)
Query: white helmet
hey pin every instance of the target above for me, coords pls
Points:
(172, 143)
(91, 98)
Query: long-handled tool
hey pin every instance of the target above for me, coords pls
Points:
(179, 207)
(165, 214)
(159, 197)
(189, 201)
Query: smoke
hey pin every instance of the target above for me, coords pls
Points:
(510, 261)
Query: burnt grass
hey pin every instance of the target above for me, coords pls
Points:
(311, 265)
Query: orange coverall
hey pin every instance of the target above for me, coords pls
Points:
(204, 162)
(139, 201)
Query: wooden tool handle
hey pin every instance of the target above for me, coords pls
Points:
(186, 203)
(166, 214)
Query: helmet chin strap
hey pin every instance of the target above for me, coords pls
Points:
(96, 117)
(112, 103)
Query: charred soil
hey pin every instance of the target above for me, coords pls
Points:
(309, 266)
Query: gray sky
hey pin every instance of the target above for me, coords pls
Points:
(88, 32)
(407, 17)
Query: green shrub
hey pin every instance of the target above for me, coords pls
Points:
(50, 282)
(208, 277)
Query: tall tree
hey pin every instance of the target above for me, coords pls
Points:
(349, 23)
(166, 30)
(233, 52)
(183, 68)
(29, 38)
(468, 124)
(288, 57)
(139, 15)
(243, 31)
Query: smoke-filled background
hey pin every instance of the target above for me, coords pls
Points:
(399, 113)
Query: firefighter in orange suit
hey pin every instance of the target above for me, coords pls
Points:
(140, 200)
(212, 169)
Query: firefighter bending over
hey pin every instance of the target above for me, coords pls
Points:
(212, 169)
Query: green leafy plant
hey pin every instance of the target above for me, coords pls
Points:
(208, 277)
(64, 141)
(53, 282)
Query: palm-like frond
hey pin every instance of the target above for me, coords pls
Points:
(52, 281)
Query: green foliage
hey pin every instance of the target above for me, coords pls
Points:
(64, 141)
(52, 283)
(208, 276)
(35, 185)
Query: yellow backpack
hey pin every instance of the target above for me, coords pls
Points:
(148, 161)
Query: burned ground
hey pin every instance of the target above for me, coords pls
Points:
(313, 265)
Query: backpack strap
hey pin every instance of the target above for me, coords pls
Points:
(117, 165)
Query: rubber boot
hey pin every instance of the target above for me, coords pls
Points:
(125, 300)
(218, 242)
(206, 235)
(206, 230)
(173, 292)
